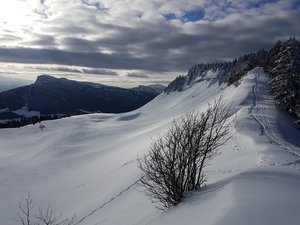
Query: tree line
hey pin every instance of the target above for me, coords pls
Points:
(23, 121)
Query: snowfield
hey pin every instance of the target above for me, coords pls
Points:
(87, 164)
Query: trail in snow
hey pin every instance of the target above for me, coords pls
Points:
(107, 202)
(259, 112)
(254, 108)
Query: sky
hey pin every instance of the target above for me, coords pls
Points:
(126, 42)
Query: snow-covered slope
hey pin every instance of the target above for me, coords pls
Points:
(87, 164)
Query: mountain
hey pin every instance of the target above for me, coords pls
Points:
(281, 62)
(49, 95)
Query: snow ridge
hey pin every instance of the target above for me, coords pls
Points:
(259, 105)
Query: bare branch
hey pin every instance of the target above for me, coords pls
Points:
(28, 216)
(26, 206)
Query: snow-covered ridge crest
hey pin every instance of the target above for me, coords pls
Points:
(224, 72)
(184, 82)
(281, 62)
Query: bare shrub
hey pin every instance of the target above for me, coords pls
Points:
(29, 215)
(42, 127)
(177, 158)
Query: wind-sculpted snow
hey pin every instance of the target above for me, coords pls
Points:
(87, 164)
(252, 198)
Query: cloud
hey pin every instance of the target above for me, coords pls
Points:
(79, 70)
(137, 75)
(94, 60)
(99, 72)
(154, 35)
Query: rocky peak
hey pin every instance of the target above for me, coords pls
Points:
(42, 79)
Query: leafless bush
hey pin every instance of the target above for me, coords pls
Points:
(29, 215)
(176, 159)
(42, 127)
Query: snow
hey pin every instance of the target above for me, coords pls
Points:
(4, 110)
(25, 112)
(87, 164)
(208, 75)
(254, 197)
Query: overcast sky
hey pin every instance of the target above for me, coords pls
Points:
(139, 38)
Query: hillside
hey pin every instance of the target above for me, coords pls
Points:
(281, 62)
(87, 164)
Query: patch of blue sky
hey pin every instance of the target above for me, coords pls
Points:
(260, 3)
(296, 4)
(170, 16)
(193, 15)
(189, 16)
(97, 5)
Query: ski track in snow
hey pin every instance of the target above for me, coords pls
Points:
(259, 105)
(98, 178)
(107, 202)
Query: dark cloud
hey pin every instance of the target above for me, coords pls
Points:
(43, 41)
(80, 45)
(100, 72)
(94, 60)
(75, 70)
(137, 75)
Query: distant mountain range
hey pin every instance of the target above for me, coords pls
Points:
(281, 62)
(50, 95)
